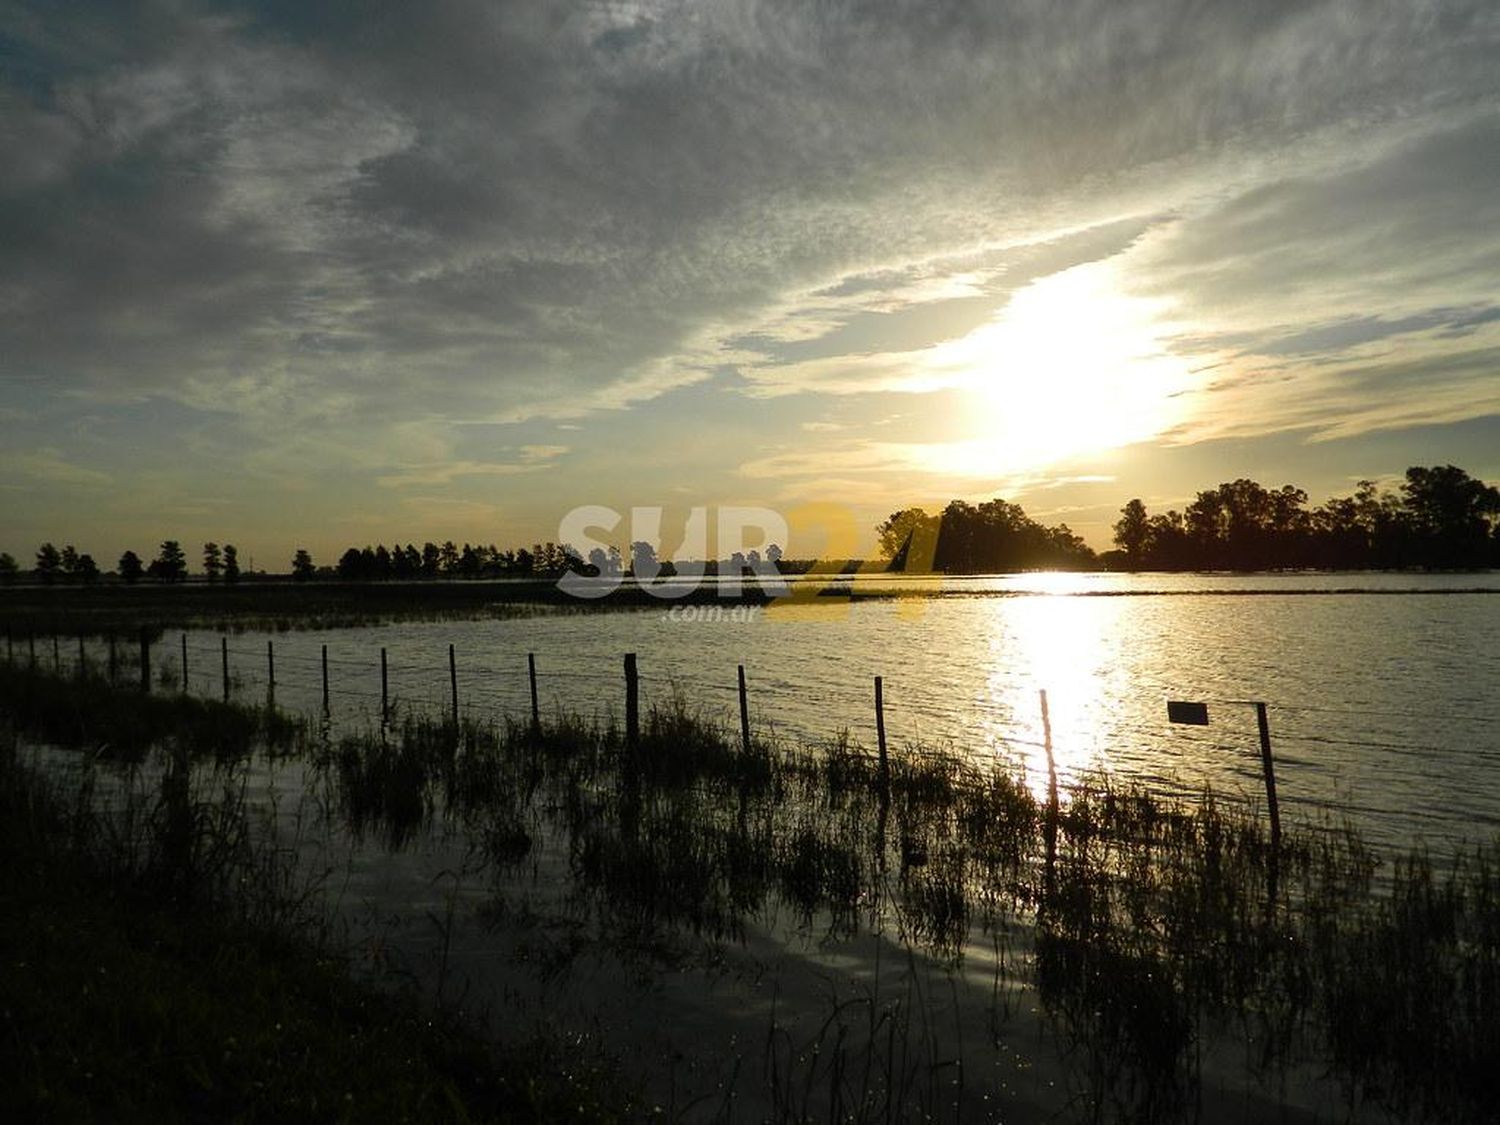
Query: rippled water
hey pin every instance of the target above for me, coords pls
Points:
(1381, 688)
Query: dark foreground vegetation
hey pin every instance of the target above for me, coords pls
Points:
(1151, 931)
(162, 963)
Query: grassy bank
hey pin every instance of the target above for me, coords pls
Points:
(161, 965)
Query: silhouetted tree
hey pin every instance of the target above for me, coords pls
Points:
(1133, 533)
(995, 536)
(70, 560)
(130, 568)
(231, 564)
(48, 563)
(213, 561)
(908, 539)
(302, 566)
(8, 568)
(1451, 516)
(86, 570)
(170, 564)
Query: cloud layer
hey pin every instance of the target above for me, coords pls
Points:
(404, 243)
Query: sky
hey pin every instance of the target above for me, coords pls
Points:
(290, 275)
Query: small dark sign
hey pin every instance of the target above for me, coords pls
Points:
(1193, 714)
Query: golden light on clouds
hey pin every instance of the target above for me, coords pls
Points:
(1073, 365)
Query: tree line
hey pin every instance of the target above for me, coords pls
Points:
(220, 564)
(1440, 518)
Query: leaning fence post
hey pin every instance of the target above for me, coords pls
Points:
(744, 712)
(270, 666)
(1270, 772)
(536, 714)
(184, 665)
(385, 698)
(83, 663)
(224, 664)
(453, 681)
(885, 762)
(1051, 761)
(1049, 828)
(325, 679)
(632, 703)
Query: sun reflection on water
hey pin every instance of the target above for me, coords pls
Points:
(1064, 647)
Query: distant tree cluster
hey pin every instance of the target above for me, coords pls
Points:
(53, 565)
(992, 537)
(1442, 519)
(408, 563)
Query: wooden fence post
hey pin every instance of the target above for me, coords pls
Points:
(744, 713)
(31, 649)
(113, 660)
(536, 713)
(56, 655)
(184, 665)
(224, 664)
(885, 762)
(145, 660)
(632, 703)
(1051, 761)
(325, 679)
(385, 697)
(1049, 826)
(270, 666)
(83, 662)
(1270, 771)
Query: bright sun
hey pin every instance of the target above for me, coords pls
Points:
(1072, 366)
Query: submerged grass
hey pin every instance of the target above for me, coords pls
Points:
(1153, 923)
(161, 964)
(1151, 927)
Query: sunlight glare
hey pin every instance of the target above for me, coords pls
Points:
(1073, 365)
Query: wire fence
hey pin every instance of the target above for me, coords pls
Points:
(350, 690)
